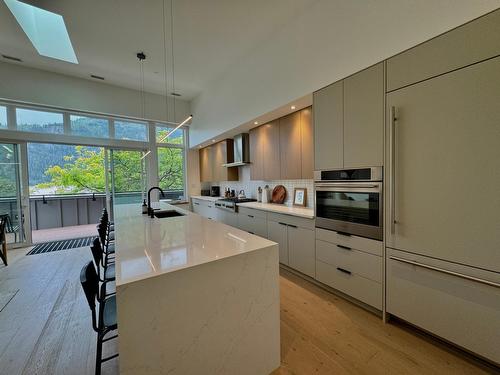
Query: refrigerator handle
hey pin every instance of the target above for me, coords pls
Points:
(392, 151)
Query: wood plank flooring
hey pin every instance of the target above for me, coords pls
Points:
(46, 328)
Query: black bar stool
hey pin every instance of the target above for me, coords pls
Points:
(104, 320)
(108, 273)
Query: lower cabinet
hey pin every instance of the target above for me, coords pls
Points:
(253, 221)
(204, 208)
(295, 237)
(353, 265)
(458, 303)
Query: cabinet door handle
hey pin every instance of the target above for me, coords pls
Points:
(196, 203)
(291, 225)
(392, 150)
(251, 232)
(250, 216)
(344, 247)
(344, 234)
(279, 222)
(344, 270)
(452, 273)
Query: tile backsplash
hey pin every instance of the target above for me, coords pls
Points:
(250, 187)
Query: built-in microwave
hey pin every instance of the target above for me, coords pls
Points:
(349, 201)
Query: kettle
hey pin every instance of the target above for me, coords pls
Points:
(241, 194)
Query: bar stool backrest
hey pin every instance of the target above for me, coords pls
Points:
(90, 285)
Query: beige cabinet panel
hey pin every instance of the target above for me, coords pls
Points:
(256, 154)
(277, 232)
(205, 155)
(328, 107)
(218, 158)
(302, 250)
(270, 139)
(462, 311)
(447, 163)
(364, 118)
(290, 146)
(307, 143)
(467, 44)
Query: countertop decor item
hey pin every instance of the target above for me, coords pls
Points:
(279, 194)
(265, 194)
(300, 197)
(259, 194)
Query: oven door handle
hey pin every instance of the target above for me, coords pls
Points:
(357, 186)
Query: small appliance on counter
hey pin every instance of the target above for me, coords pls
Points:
(205, 192)
(241, 194)
(215, 191)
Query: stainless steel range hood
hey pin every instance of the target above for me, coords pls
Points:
(241, 147)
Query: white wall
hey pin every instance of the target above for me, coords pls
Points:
(324, 43)
(42, 87)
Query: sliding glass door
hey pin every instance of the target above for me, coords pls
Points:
(127, 177)
(13, 198)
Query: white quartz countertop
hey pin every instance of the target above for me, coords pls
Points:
(305, 212)
(206, 198)
(147, 247)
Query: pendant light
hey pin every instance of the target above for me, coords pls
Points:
(187, 119)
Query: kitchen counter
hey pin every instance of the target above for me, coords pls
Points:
(194, 296)
(304, 212)
(206, 198)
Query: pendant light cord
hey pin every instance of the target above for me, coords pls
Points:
(165, 60)
(172, 47)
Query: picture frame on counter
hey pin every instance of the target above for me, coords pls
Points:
(300, 197)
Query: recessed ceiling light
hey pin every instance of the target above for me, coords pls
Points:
(12, 58)
(46, 30)
(213, 140)
(292, 107)
(256, 123)
(97, 77)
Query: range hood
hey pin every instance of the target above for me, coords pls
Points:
(241, 149)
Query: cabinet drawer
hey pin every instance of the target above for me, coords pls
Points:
(359, 243)
(291, 220)
(358, 262)
(252, 212)
(253, 224)
(460, 310)
(359, 287)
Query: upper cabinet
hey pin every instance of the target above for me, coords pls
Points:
(328, 107)
(465, 45)
(307, 143)
(349, 121)
(290, 144)
(283, 148)
(364, 118)
(211, 160)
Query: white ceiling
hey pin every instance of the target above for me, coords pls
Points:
(209, 36)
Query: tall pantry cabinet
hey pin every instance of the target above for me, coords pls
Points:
(442, 180)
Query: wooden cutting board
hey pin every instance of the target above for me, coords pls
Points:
(279, 194)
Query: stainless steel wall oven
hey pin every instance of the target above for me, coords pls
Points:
(350, 201)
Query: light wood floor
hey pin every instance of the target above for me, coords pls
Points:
(46, 328)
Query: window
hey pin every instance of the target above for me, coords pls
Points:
(134, 131)
(171, 171)
(39, 121)
(3, 117)
(65, 169)
(176, 137)
(89, 126)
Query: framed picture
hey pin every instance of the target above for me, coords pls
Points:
(300, 197)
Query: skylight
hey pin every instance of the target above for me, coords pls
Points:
(46, 30)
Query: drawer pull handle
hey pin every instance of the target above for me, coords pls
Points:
(279, 222)
(209, 206)
(250, 216)
(251, 232)
(344, 247)
(344, 234)
(344, 271)
(452, 273)
(291, 225)
(196, 203)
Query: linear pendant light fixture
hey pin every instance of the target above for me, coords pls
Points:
(46, 30)
(189, 118)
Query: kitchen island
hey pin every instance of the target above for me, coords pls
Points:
(194, 296)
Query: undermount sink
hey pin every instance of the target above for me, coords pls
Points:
(167, 213)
